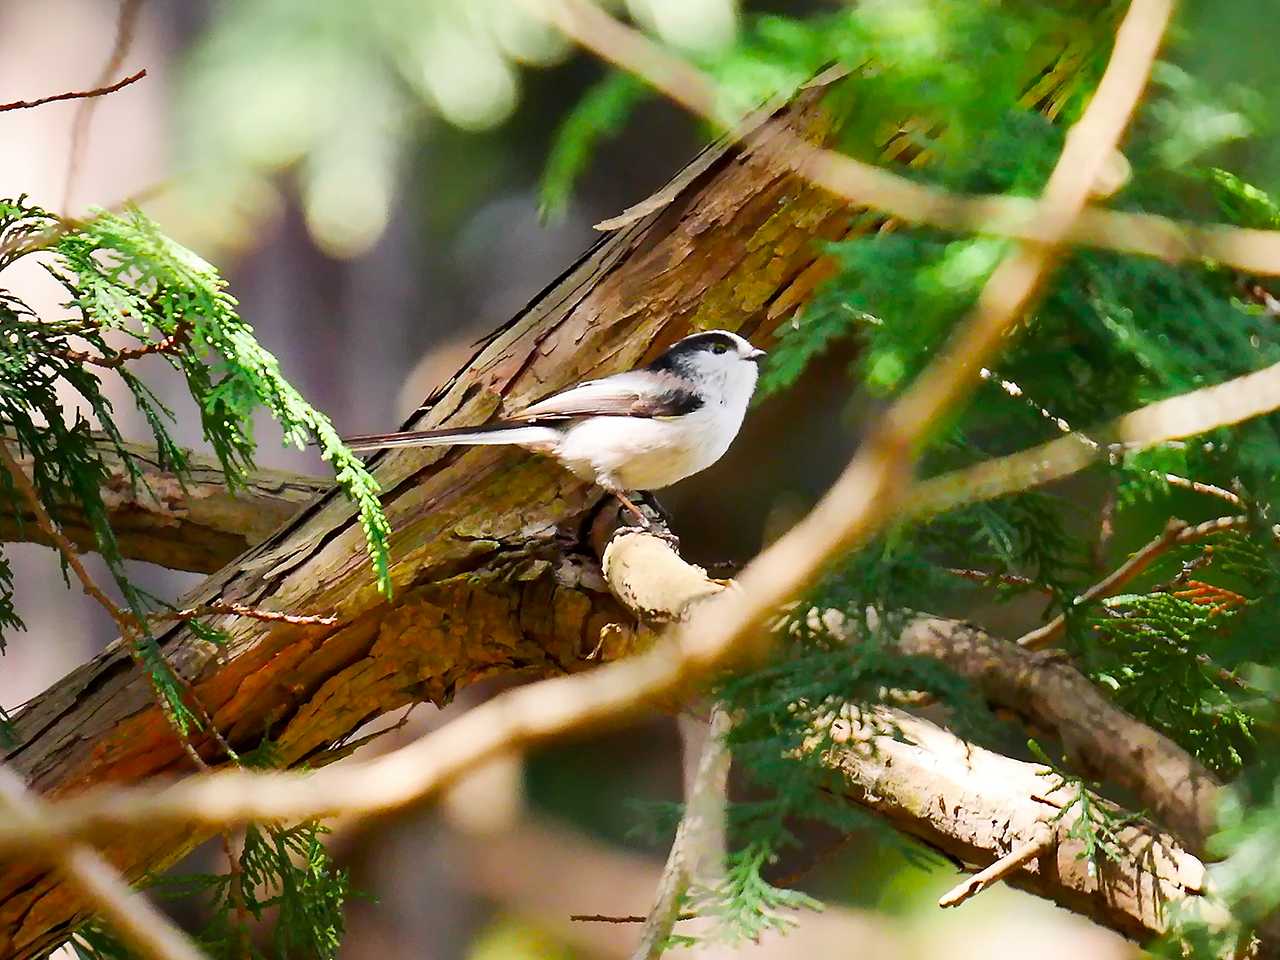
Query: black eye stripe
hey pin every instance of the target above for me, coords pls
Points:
(685, 351)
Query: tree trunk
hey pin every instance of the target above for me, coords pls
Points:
(491, 573)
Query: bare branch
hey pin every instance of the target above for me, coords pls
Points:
(977, 805)
(132, 629)
(1175, 532)
(614, 918)
(1208, 489)
(697, 853)
(1185, 415)
(241, 610)
(139, 924)
(74, 95)
(170, 344)
(1011, 861)
(1100, 739)
(127, 623)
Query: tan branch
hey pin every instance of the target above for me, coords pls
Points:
(1020, 855)
(697, 852)
(1208, 489)
(127, 623)
(1185, 415)
(1100, 739)
(1253, 251)
(977, 805)
(1175, 533)
(131, 915)
(218, 608)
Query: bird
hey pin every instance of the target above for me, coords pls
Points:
(636, 431)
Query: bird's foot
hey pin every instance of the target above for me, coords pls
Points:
(630, 507)
(654, 523)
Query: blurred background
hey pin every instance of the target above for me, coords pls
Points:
(366, 176)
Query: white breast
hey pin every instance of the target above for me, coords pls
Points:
(634, 453)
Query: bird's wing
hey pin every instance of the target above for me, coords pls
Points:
(640, 393)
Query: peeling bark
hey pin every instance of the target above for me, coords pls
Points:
(490, 577)
(976, 806)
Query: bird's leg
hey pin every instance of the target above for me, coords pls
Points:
(634, 510)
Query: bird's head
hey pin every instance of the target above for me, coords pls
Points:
(714, 362)
(712, 352)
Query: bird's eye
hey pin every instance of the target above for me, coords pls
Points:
(719, 348)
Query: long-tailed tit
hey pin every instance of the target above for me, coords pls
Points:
(640, 430)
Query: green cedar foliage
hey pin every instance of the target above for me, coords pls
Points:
(123, 277)
(125, 282)
(975, 97)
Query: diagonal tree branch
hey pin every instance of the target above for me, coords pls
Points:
(976, 806)
(1101, 740)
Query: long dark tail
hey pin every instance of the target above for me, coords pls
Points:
(520, 434)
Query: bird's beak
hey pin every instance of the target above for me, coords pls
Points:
(757, 355)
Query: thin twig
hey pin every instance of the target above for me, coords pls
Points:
(1175, 533)
(170, 344)
(986, 576)
(131, 915)
(1011, 861)
(697, 852)
(74, 95)
(625, 918)
(125, 28)
(127, 623)
(131, 628)
(1176, 418)
(1208, 489)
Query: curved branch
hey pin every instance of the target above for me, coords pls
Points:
(1101, 740)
